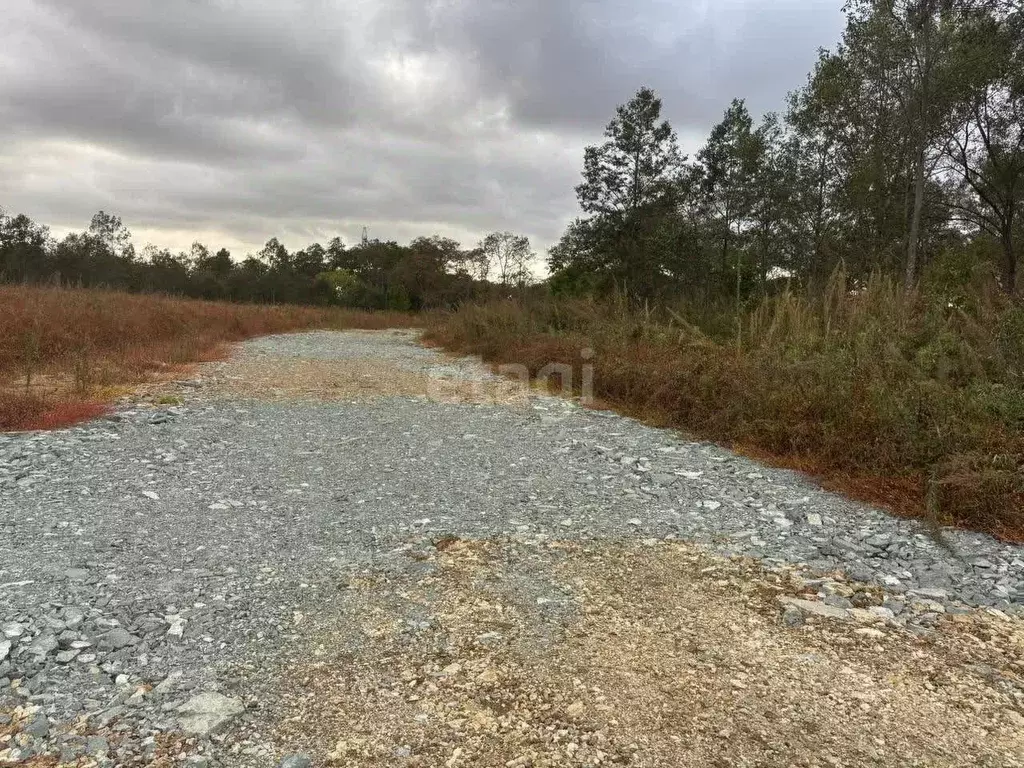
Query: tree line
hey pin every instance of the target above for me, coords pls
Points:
(902, 153)
(429, 272)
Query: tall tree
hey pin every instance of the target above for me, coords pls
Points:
(636, 166)
(275, 255)
(774, 208)
(112, 234)
(629, 183)
(901, 48)
(985, 150)
(729, 167)
(24, 247)
(822, 120)
(509, 257)
(310, 261)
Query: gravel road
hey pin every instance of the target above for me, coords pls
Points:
(331, 542)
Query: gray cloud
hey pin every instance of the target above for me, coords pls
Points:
(309, 118)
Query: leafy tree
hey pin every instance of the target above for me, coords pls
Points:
(985, 150)
(509, 257)
(348, 289)
(220, 263)
(24, 248)
(168, 273)
(776, 214)
(821, 146)
(473, 265)
(112, 235)
(310, 261)
(901, 49)
(429, 272)
(275, 255)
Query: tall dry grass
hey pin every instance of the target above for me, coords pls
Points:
(62, 349)
(914, 401)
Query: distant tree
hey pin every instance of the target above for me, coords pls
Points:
(474, 265)
(422, 275)
(275, 255)
(209, 272)
(198, 255)
(509, 257)
(220, 263)
(347, 288)
(310, 261)
(112, 234)
(168, 273)
(24, 249)
(429, 272)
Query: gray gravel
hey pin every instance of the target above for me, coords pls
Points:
(156, 568)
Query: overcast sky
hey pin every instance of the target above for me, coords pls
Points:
(231, 121)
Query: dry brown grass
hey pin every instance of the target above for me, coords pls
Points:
(21, 411)
(64, 351)
(914, 402)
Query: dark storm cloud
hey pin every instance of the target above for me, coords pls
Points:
(188, 83)
(313, 117)
(565, 63)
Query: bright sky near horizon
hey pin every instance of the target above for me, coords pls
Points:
(232, 121)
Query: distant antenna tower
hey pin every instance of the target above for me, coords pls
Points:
(366, 236)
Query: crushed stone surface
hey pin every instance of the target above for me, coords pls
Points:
(346, 548)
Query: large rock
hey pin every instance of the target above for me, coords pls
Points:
(43, 645)
(792, 616)
(815, 608)
(117, 638)
(207, 713)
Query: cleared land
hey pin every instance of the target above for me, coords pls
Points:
(304, 564)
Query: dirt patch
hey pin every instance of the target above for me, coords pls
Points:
(352, 380)
(645, 655)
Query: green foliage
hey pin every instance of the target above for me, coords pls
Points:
(430, 272)
(348, 289)
(398, 299)
(905, 142)
(636, 166)
(630, 187)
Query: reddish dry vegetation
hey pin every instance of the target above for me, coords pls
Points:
(63, 352)
(912, 403)
(21, 411)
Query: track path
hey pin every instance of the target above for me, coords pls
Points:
(348, 547)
